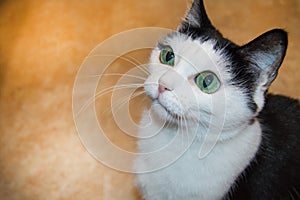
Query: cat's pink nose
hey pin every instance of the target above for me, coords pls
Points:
(162, 89)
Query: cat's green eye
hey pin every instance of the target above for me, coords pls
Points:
(208, 82)
(167, 56)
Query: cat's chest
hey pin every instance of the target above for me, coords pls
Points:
(193, 178)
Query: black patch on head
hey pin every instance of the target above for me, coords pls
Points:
(196, 17)
(206, 34)
(197, 25)
(245, 72)
(244, 76)
(252, 63)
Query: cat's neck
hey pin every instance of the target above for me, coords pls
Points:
(222, 161)
(157, 132)
(223, 134)
(219, 133)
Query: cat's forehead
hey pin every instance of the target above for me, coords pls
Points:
(195, 55)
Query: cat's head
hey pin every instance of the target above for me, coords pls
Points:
(195, 70)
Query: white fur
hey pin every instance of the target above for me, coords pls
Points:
(190, 177)
(264, 61)
(193, 113)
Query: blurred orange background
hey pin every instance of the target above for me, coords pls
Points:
(42, 45)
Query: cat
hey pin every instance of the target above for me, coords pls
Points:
(207, 90)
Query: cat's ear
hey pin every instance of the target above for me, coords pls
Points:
(266, 54)
(196, 17)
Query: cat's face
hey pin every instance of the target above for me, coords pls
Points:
(190, 87)
(197, 76)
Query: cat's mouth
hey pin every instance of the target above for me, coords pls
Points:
(170, 113)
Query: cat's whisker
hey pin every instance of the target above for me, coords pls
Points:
(292, 196)
(180, 127)
(133, 60)
(185, 132)
(145, 97)
(118, 74)
(104, 92)
(231, 151)
(194, 117)
(138, 65)
(187, 128)
(118, 87)
(271, 154)
(296, 192)
(179, 121)
(117, 106)
(119, 103)
(207, 112)
(144, 68)
(115, 88)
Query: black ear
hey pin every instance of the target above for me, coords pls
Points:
(196, 17)
(266, 53)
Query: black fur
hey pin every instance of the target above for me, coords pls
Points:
(274, 174)
(246, 72)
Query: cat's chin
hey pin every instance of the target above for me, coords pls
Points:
(172, 117)
(164, 113)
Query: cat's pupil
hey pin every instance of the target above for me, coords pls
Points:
(208, 80)
(169, 56)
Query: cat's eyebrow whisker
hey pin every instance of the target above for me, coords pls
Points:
(136, 63)
(133, 61)
(144, 68)
(118, 74)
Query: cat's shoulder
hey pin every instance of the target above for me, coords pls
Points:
(281, 103)
(281, 112)
(274, 172)
(281, 131)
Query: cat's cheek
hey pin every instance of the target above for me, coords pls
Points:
(160, 110)
(151, 89)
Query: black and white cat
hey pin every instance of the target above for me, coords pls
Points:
(210, 91)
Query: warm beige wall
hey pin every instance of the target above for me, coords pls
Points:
(43, 43)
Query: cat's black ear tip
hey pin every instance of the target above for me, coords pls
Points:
(279, 35)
